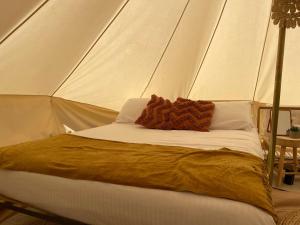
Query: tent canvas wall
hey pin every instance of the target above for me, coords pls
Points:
(102, 52)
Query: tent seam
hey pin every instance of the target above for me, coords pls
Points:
(23, 22)
(262, 56)
(165, 50)
(207, 49)
(90, 48)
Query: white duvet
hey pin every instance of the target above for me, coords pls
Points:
(246, 141)
(109, 204)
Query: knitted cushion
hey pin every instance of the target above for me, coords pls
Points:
(157, 114)
(191, 115)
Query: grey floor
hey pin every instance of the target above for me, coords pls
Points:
(294, 187)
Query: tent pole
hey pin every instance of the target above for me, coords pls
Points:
(276, 99)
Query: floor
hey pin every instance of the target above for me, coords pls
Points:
(294, 187)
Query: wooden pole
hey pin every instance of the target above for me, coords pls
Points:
(276, 99)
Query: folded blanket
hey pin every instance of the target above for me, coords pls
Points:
(220, 173)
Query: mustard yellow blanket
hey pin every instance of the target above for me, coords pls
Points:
(221, 173)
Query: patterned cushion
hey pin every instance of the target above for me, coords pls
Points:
(191, 115)
(157, 114)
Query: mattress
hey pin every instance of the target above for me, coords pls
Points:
(109, 204)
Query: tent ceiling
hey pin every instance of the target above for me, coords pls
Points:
(40, 54)
(105, 51)
(126, 55)
(14, 13)
(291, 69)
(231, 65)
(186, 50)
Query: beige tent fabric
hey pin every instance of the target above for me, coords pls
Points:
(121, 63)
(231, 67)
(265, 83)
(103, 52)
(180, 63)
(79, 116)
(14, 12)
(25, 118)
(43, 51)
(296, 117)
(291, 68)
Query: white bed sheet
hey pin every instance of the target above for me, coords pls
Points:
(109, 204)
(240, 140)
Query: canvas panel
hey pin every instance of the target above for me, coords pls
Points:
(43, 51)
(179, 65)
(265, 84)
(79, 116)
(25, 118)
(144, 40)
(231, 66)
(290, 94)
(120, 65)
(290, 85)
(14, 12)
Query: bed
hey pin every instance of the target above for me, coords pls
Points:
(110, 204)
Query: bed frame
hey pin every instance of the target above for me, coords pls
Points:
(9, 204)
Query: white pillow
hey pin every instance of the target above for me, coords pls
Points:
(232, 116)
(227, 115)
(131, 110)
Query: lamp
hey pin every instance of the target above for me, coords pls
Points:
(286, 14)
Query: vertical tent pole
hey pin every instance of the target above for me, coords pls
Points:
(276, 99)
(286, 14)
